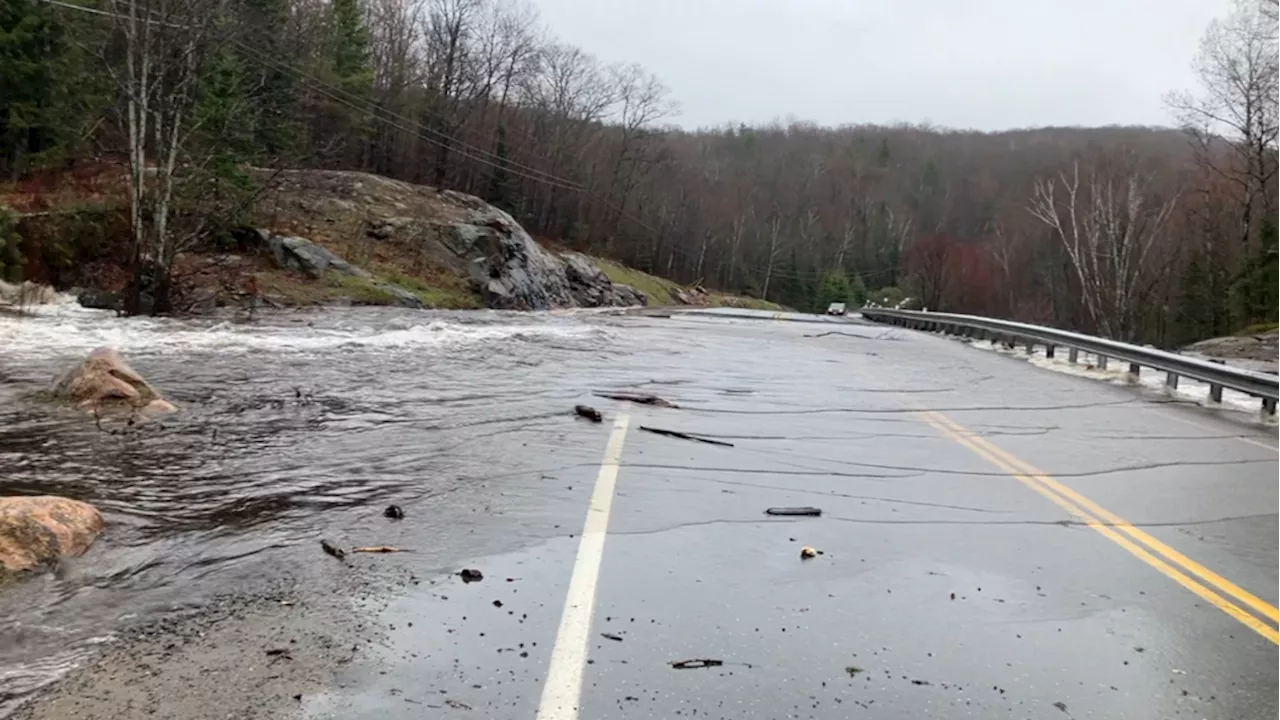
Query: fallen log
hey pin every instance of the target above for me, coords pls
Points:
(638, 399)
(695, 663)
(794, 511)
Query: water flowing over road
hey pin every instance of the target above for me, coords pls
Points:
(997, 539)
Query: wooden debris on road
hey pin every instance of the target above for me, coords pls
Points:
(588, 412)
(377, 549)
(685, 436)
(794, 511)
(639, 399)
(695, 663)
(611, 636)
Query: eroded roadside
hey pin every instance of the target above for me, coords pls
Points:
(242, 657)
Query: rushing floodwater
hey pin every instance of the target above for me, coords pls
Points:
(291, 426)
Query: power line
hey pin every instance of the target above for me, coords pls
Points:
(337, 94)
(333, 94)
(458, 145)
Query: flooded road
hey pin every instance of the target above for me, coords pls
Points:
(940, 565)
(291, 426)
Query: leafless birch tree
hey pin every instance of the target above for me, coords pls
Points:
(1107, 224)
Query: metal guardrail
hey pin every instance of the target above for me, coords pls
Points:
(1217, 376)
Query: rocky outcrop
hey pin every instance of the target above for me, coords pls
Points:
(513, 272)
(42, 529)
(295, 253)
(446, 233)
(591, 287)
(1262, 346)
(314, 261)
(104, 381)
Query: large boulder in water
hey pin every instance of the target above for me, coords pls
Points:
(103, 380)
(40, 529)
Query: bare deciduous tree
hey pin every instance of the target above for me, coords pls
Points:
(164, 43)
(1233, 121)
(1107, 227)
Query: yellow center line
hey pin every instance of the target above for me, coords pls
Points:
(1076, 504)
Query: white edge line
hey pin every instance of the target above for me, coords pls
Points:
(562, 691)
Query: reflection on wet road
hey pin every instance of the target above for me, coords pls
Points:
(946, 586)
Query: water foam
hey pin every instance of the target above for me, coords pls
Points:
(66, 328)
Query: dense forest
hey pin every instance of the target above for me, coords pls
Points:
(1152, 234)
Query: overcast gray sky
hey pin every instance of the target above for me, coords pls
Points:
(985, 64)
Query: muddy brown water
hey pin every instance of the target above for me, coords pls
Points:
(293, 427)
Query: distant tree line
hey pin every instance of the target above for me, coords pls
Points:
(1148, 234)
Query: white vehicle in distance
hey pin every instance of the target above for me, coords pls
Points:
(835, 309)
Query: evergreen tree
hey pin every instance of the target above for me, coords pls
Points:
(1194, 318)
(278, 135)
(838, 286)
(882, 157)
(500, 178)
(32, 48)
(352, 48)
(226, 114)
(1253, 290)
(834, 289)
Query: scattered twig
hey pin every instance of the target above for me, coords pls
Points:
(377, 549)
(685, 436)
(695, 663)
(639, 399)
(280, 652)
(611, 636)
(794, 511)
(457, 704)
(882, 336)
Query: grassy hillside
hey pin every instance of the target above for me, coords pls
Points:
(660, 291)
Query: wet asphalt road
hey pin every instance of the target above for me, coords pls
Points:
(946, 588)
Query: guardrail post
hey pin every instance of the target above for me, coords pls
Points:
(1102, 362)
(1134, 370)
(1031, 346)
(1048, 351)
(1171, 381)
(1215, 393)
(1269, 406)
(1073, 355)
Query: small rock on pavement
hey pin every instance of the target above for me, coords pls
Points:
(470, 575)
(394, 512)
(587, 412)
(807, 553)
(333, 550)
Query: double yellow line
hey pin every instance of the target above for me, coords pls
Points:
(1178, 567)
